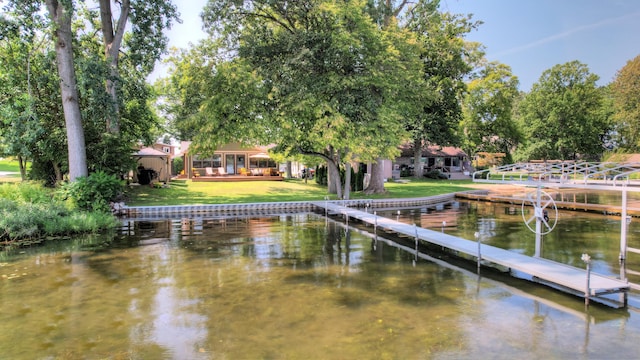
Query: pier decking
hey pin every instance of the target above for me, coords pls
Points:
(567, 278)
(567, 205)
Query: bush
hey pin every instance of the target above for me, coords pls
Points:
(29, 211)
(25, 193)
(94, 192)
(435, 174)
(177, 165)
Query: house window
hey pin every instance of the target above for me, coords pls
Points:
(166, 149)
(216, 161)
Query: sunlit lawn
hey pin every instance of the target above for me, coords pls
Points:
(8, 165)
(183, 192)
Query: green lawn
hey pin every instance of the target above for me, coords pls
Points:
(183, 192)
(12, 166)
(9, 165)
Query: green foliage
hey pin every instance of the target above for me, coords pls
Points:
(321, 175)
(435, 174)
(177, 165)
(25, 193)
(488, 124)
(561, 117)
(93, 192)
(29, 211)
(625, 90)
(448, 59)
(357, 180)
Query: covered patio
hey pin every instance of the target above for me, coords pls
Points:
(231, 162)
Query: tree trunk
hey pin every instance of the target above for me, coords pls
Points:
(333, 178)
(73, 120)
(22, 163)
(289, 175)
(376, 183)
(58, 172)
(418, 169)
(347, 181)
(112, 43)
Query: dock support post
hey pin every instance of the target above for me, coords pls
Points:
(538, 208)
(477, 235)
(326, 206)
(375, 224)
(587, 291)
(415, 229)
(623, 226)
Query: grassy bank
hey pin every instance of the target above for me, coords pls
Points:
(182, 192)
(29, 212)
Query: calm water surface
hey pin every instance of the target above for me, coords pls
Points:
(303, 287)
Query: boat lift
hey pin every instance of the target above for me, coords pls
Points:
(602, 176)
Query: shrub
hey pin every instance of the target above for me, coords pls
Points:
(93, 192)
(435, 174)
(28, 211)
(177, 166)
(25, 193)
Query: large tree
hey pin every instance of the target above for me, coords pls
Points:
(83, 72)
(61, 14)
(448, 59)
(329, 74)
(561, 117)
(145, 42)
(625, 90)
(488, 124)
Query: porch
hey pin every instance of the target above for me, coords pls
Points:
(237, 178)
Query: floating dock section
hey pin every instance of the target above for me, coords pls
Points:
(560, 276)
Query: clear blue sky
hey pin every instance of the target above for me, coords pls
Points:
(531, 36)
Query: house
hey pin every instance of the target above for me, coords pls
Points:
(165, 148)
(229, 159)
(447, 159)
(485, 159)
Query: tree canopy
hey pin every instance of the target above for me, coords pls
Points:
(68, 31)
(625, 91)
(561, 117)
(322, 76)
(488, 124)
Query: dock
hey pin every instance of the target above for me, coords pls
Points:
(560, 276)
(605, 209)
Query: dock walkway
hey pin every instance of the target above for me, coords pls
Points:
(564, 277)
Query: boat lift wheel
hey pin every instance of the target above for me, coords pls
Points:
(544, 209)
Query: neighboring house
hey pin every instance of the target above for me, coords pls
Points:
(447, 159)
(166, 148)
(623, 158)
(486, 159)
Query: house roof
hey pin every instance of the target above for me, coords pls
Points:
(625, 158)
(147, 151)
(433, 151)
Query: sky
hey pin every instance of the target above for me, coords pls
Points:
(531, 36)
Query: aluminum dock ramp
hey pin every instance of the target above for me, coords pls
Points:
(566, 278)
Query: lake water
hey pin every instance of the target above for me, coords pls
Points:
(304, 287)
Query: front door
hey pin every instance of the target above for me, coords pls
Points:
(230, 163)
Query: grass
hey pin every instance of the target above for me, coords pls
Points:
(30, 213)
(183, 192)
(9, 165)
